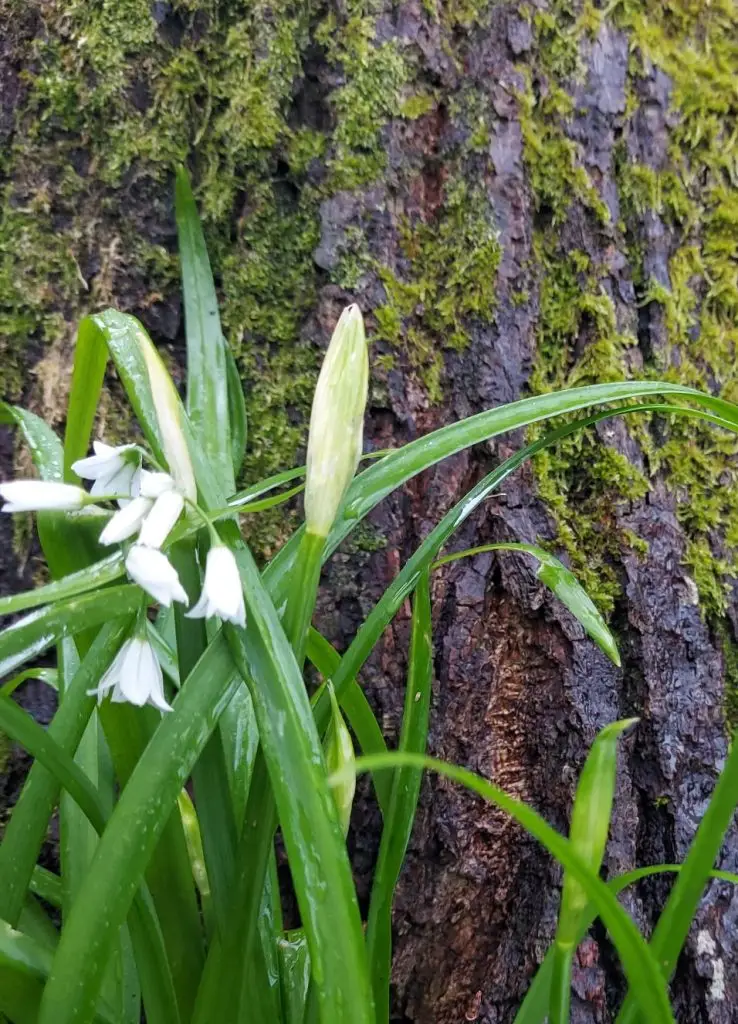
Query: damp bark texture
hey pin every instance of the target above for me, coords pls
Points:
(519, 196)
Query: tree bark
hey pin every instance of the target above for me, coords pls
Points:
(519, 197)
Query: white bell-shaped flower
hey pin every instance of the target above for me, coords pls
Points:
(153, 485)
(135, 676)
(41, 495)
(126, 522)
(158, 523)
(112, 469)
(153, 571)
(222, 592)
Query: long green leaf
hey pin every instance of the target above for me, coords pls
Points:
(398, 823)
(128, 842)
(24, 966)
(357, 709)
(27, 827)
(34, 633)
(639, 963)
(207, 367)
(563, 583)
(307, 815)
(380, 479)
(210, 776)
(590, 823)
(534, 1009)
(385, 609)
(236, 413)
(677, 916)
(46, 885)
(92, 578)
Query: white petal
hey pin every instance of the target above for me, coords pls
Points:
(156, 678)
(152, 570)
(32, 495)
(117, 480)
(201, 610)
(135, 683)
(110, 678)
(126, 522)
(222, 592)
(160, 520)
(152, 485)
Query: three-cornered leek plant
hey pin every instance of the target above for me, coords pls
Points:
(185, 735)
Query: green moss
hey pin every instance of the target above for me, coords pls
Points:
(447, 283)
(578, 338)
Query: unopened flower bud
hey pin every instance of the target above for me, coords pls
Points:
(339, 757)
(336, 422)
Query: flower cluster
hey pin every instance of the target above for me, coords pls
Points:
(150, 504)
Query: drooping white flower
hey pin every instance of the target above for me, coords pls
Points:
(165, 512)
(135, 675)
(222, 592)
(336, 422)
(153, 485)
(112, 469)
(126, 522)
(39, 495)
(153, 571)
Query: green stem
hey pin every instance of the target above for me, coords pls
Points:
(560, 996)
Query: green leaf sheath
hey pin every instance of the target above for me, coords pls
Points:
(398, 823)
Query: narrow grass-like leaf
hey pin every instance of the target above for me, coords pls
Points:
(24, 966)
(357, 709)
(128, 732)
(400, 588)
(236, 412)
(563, 583)
(398, 823)
(534, 1008)
(295, 973)
(210, 777)
(43, 675)
(92, 578)
(590, 824)
(134, 828)
(676, 918)
(399, 466)
(28, 823)
(34, 633)
(207, 367)
(315, 847)
(46, 885)
(639, 963)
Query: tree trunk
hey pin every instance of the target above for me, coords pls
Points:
(519, 197)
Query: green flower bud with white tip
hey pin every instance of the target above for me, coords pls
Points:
(336, 422)
(168, 415)
(339, 759)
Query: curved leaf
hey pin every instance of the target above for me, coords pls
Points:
(639, 963)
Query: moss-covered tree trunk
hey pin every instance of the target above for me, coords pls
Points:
(519, 196)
